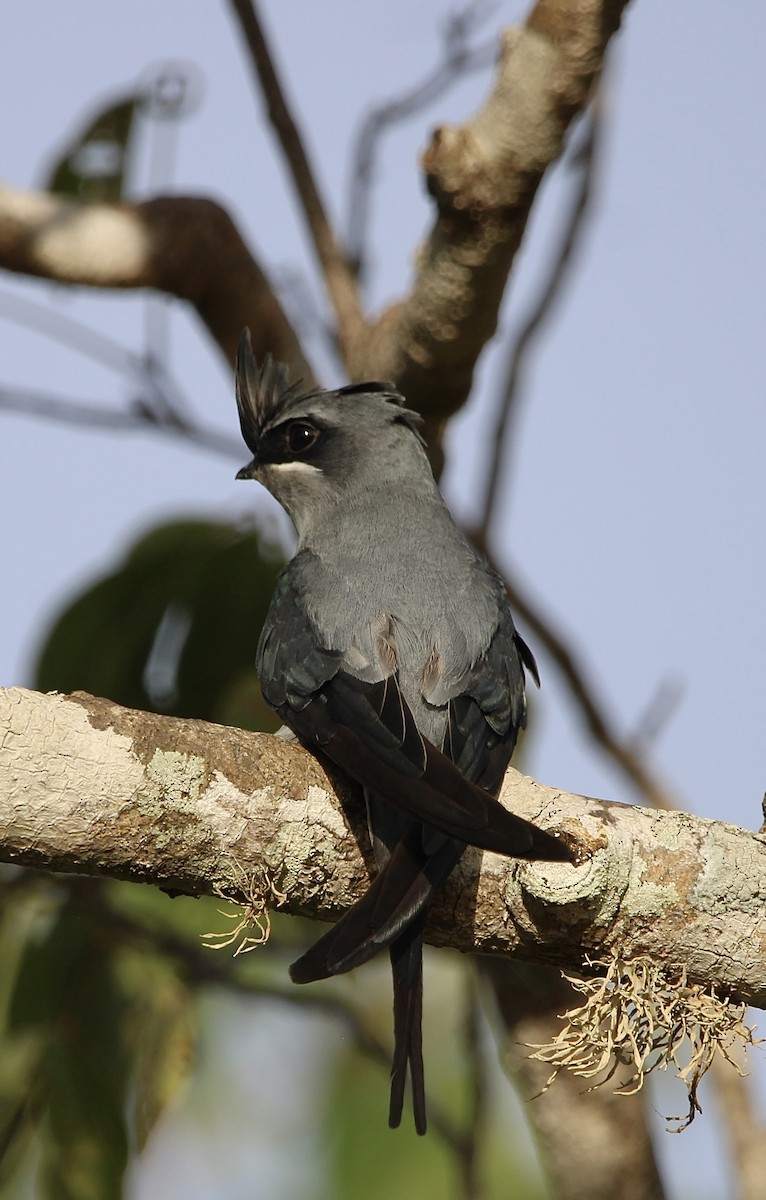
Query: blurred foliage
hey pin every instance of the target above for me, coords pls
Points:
(366, 1159)
(95, 166)
(96, 1019)
(173, 629)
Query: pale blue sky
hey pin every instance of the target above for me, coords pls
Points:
(638, 492)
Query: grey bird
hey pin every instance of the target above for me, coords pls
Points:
(389, 647)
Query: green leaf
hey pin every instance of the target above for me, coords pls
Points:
(174, 628)
(95, 166)
(69, 1007)
(366, 1157)
(162, 1032)
(29, 902)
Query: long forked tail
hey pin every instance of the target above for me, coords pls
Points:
(407, 970)
(392, 913)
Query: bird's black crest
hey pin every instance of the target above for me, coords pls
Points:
(260, 390)
(266, 390)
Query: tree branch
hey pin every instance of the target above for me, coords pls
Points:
(138, 416)
(338, 274)
(483, 177)
(88, 786)
(186, 246)
(457, 60)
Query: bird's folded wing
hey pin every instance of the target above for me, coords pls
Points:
(369, 731)
(427, 784)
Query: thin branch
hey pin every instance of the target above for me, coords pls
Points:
(458, 60)
(585, 160)
(656, 715)
(161, 404)
(585, 695)
(141, 416)
(186, 246)
(73, 334)
(339, 276)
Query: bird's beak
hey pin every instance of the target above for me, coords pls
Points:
(247, 472)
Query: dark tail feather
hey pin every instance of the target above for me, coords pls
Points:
(407, 969)
(393, 913)
(438, 796)
(395, 898)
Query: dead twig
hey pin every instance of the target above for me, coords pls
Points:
(140, 415)
(338, 274)
(584, 693)
(458, 59)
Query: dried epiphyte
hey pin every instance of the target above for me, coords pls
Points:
(252, 923)
(639, 1015)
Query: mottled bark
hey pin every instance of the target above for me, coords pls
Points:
(88, 786)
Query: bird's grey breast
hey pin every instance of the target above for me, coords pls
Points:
(398, 594)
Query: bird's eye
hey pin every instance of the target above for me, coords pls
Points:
(301, 436)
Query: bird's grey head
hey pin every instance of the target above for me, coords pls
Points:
(317, 450)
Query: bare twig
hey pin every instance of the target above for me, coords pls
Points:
(585, 161)
(141, 415)
(339, 277)
(73, 334)
(458, 60)
(656, 715)
(162, 402)
(584, 692)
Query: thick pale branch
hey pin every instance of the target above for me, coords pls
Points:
(186, 246)
(483, 176)
(91, 787)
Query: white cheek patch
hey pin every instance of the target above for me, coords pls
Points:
(296, 468)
